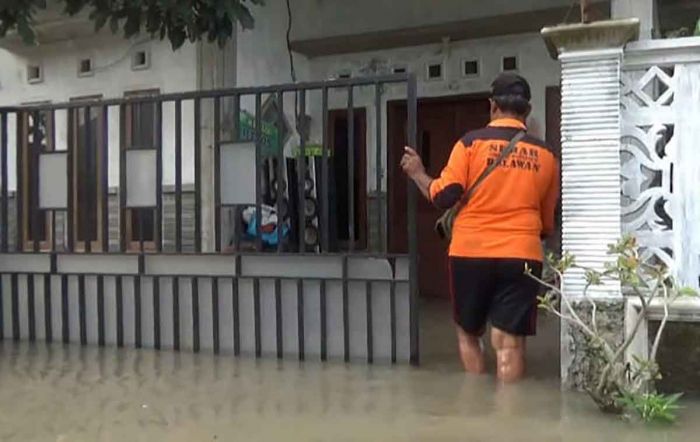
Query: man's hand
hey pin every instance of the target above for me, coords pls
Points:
(412, 164)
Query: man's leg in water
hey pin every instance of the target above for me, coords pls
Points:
(470, 352)
(510, 355)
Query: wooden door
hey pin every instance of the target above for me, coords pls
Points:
(441, 124)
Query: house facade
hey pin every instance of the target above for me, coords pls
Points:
(343, 271)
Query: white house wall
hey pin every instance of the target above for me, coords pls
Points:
(263, 59)
(169, 72)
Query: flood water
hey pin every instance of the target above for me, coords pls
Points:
(68, 393)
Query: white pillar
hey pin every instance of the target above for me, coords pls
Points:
(591, 61)
(644, 10)
(590, 130)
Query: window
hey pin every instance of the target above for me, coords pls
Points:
(509, 63)
(31, 217)
(140, 60)
(35, 74)
(85, 67)
(434, 71)
(141, 133)
(344, 75)
(470, 68)
(399, 69)
(85, 132)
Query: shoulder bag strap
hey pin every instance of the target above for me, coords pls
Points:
(504, 154)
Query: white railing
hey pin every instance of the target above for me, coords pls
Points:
(660, 151)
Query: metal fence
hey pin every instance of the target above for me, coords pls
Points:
(90, 182)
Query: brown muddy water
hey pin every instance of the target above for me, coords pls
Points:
(68, 393)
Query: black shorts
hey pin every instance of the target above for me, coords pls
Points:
(494, 289)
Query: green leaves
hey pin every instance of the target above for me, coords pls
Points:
(593, 277)
(176, 20)
(688, 292)
(653, 407)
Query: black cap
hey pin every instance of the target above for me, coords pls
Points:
(510, 84)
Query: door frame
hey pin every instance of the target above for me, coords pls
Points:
(394, 109)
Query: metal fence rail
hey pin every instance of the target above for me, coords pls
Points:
(90, 178)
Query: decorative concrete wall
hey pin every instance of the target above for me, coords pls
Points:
(660, 155)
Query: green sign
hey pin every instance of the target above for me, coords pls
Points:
(312, 150)
(270, 134)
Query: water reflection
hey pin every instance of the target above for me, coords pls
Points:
(67, 393)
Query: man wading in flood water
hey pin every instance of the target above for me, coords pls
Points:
(499, 230)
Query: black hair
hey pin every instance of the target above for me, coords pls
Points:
(513, 104)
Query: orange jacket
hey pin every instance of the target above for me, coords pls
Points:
(513, 208)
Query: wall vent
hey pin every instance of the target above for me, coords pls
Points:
(85, 67)
(509, 63)
(35, 74)
(435, 71)
(141, 60)
(470, 68)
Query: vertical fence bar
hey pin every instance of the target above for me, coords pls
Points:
(412, 103)
(137, 309)
(197, 175)
(379, 170)
(236, 138)
(236, 317)
(300, 319)
(100, 311)
(31, 307)
(351, 169)
(69, 220)
(258, 174)
(346, 313)
(278, 319)
(51, 144)
(65, 317)
(81, 310)
(4, 182)
(217, 173)
(370, 328)
(195, 314)
(22, 145)
(392, 318)
(324, 321)
(257, 317)
(34, 194)
(301, 170)
(156, 312)
(48, 321)
(178, 176)
(123, 237)
(120, 311)
(15, 307)
(104, 178)
(215, 313)
(89, 149)
(325, 200)
(176, 313)
(158, 237)
(280, 172)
